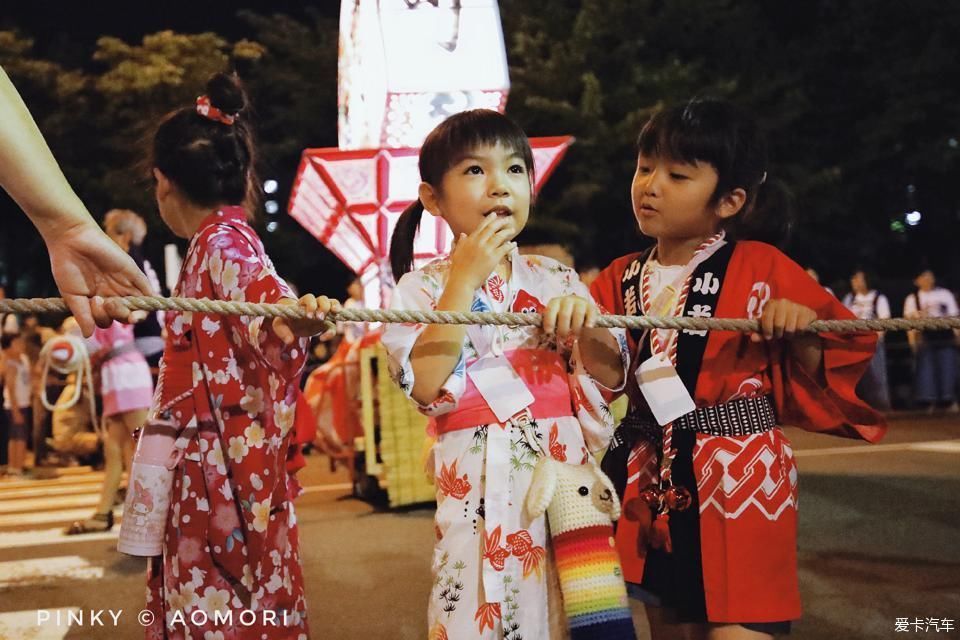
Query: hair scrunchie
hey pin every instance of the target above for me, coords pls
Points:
(207, 110)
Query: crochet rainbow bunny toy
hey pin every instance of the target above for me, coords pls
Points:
(581, 505)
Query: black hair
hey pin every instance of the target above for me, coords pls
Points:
(7, 339)
(210, 161)
(443, 148)
(867, 276)
(718, 133)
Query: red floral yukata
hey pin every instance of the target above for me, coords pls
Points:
(231, 543)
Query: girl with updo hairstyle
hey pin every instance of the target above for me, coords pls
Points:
(126, 386)
(207, 150)
(230, 385)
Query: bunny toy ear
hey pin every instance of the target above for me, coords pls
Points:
(542, 487)
(603, 478)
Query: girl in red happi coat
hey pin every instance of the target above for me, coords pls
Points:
(230, 383)
(707, 476)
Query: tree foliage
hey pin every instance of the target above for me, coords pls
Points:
(855, 97)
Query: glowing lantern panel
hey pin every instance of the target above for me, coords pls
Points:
(406, 65)
(351, 200)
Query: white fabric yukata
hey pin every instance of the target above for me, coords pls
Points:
(491, 573)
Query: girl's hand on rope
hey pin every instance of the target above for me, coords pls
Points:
(478, 254)
(316, 308)
(783, 318)
(569, 315)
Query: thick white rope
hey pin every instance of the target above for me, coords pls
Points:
(223, 307)
(83, 370)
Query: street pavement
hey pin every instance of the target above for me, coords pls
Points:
(879, 549)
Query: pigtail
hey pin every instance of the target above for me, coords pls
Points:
(401, 244)
(443, 147)
(769, 217)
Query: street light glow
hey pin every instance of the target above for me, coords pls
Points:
(913, 218)
(270, 186)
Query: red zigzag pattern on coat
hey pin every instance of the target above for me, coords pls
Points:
(642, 465)
(736, 473)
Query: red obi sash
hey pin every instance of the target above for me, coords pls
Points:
(177, 368)
(545, 374)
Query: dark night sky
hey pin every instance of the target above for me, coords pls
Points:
(67, 31)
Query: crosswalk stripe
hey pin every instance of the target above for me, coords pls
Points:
(48, 517)
(55, 536)
(949, 446)
(40, 492)
(92, 477)
(51, 503)
(22, 625)
(56, 502)
(39, 570)
(79, 497)
(49, 537)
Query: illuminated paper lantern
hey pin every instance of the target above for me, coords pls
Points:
(351, 200)
(406, 65)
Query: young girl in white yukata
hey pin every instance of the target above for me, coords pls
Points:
(499, 397)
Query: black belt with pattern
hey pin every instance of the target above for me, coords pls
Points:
(741, 417)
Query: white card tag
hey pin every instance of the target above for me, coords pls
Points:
(502, 388)
(663, 389)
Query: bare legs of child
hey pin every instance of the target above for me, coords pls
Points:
(118, 448)
(17, 455)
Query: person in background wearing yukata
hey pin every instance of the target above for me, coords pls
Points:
(935, 350)
(126, 383)
(230, 383)
(870, 304)
(499, 397)
(711, 554)
(126, 388)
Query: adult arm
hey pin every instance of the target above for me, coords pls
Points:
(85, 262)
